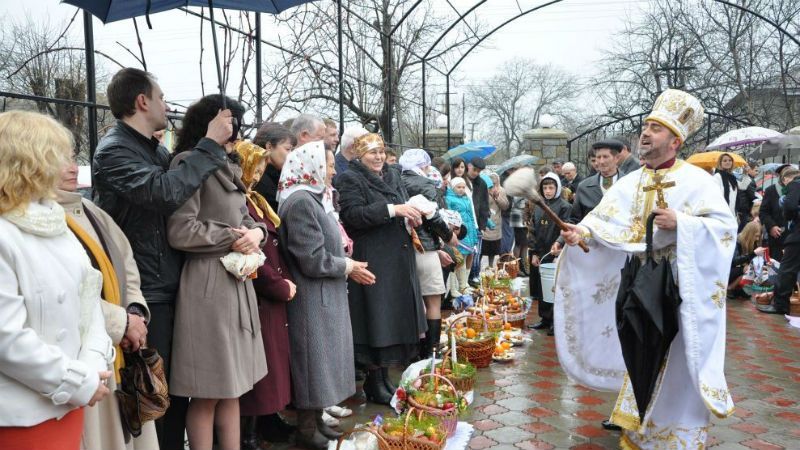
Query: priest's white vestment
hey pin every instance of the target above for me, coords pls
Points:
(692, 381)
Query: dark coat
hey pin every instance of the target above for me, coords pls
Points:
(544, 231)
(268, 185)
(273, 392)
(135, 185)
(631, 164)
(771, 215)
(480, 199)
(323, 372)
(586, 198)
(744, 202)
(434, 228)
(791, 213)
(390, 312)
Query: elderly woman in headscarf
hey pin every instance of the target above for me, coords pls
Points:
(319, 320)
(388, 318)
(431, 232)
(274, 288)
(124, 308)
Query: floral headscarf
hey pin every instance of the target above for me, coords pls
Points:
(250, 155)
(304, 170)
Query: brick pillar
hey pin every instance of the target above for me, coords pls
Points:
(545, 143)
(437, 140)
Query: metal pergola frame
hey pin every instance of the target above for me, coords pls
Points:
(92, 105)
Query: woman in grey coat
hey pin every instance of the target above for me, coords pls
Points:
(320, 335)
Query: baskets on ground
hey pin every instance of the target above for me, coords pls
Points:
(407, 441)
(517, 320)
(382, 444)
(477, 352)
(449, 417)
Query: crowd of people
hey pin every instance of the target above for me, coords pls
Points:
(268, 274)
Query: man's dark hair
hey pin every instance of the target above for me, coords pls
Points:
(549, 181)
(544, 170)
(612, 144)
(273, 133)
(390, 153)
(123, 89)
(624, 141)
(195, 122)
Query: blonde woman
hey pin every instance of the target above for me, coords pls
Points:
(748, 246)
(54, 350)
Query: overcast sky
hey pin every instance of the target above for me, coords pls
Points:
(571, 34)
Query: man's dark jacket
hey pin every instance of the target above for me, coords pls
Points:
(134, 185)
(480, 200)
(791, 213)
(587, 196)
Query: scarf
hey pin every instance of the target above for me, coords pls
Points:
(250, 156)
(728, 182)
(305, 170)
(111, 288)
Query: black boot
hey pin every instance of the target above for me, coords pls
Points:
(308, 436)
(387, 381)
(325, 430)
(249, 434)
(273, 428)
(375, 388)
(431, 340)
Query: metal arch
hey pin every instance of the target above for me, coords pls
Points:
(403, 19)
(450, 28)
(495, 29)
(771, 22)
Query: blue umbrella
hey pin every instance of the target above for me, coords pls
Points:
(516, 162)
(114, 10)
(470, 150)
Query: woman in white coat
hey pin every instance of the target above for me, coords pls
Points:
(54, 350)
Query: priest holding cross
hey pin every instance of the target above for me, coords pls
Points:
(694, 228)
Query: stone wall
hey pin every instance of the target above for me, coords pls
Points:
(437, 140)
(545, 143)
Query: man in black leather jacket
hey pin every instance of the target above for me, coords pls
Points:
(134, 184)
(790, 264)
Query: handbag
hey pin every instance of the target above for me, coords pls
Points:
(142, 393)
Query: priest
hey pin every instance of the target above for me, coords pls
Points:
(695, 230)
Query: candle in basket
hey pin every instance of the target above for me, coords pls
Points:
(454, 356)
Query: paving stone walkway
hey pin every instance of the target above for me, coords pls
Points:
(530, 404)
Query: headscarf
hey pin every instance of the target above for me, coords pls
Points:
(305, 170)
(366, 143)
(434, 175)
(415, 159)
(250, 155)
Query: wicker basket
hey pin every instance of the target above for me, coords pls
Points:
(764, 298)
(477, 352)
(517, 320)
(382, 444)
(462, 383)
(510, 264)
(449, 418)
(493, 325)
(407, 442)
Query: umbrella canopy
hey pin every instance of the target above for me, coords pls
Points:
(647, 310)
(708, 160)
(470, 150)
(111, 11)
(743, 136)
(516, 162)
(782, 145)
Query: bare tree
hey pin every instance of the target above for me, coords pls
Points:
(512, 100)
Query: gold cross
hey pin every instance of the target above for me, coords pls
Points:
(659, 187)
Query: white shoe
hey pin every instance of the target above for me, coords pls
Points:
(339, 411)
(329, 420)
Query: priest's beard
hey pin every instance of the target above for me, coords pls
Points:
(653, 152)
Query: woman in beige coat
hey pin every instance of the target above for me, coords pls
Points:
(125, 323)
(217, 351)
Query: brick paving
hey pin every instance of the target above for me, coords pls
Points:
(530, 404)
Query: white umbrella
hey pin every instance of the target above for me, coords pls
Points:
(743, 136)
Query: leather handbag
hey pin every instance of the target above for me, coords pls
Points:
(142, 392)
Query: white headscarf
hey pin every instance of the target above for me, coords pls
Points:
(415, 159)
(456, 181)
(304, 170)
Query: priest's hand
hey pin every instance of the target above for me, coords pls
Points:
(573, 234)
(666, 219)
(555, 249)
